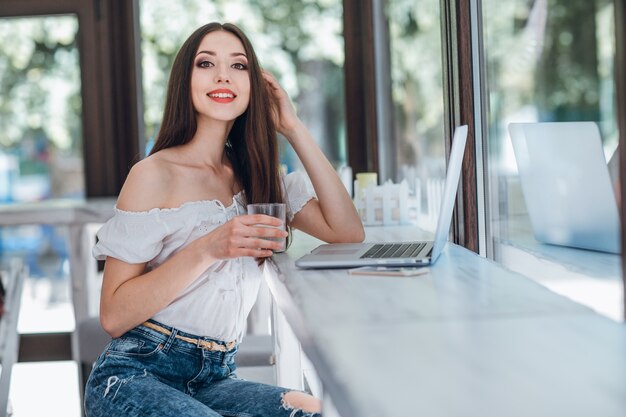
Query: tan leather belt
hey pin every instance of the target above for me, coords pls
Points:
(203, 344)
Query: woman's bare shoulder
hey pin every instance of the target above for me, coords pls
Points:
(147, 185)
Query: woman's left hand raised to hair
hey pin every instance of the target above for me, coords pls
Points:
(285, 117)
(332, 216)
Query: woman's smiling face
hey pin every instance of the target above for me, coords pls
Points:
(220, 82)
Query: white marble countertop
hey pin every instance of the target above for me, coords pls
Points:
(470, 338)
(589, 277)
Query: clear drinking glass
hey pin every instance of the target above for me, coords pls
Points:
(277, 210)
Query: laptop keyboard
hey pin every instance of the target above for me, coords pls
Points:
(394, 250)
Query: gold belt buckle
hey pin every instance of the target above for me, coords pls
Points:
(203, 344)
(212, 346)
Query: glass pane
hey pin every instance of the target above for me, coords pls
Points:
(300, 42)
(417, 93)
(546, 60)
(40, 155)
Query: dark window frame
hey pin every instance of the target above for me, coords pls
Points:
(459, 109)
(360, 87)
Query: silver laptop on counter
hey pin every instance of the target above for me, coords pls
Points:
(566, 184)
(347, 255)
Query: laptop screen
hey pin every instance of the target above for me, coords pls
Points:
(450, 189)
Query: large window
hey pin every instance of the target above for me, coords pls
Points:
(40, 109)
(41, 157)
(300, 42)
(40, 154)
(545, 61)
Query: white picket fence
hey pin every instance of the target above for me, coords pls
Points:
(396, 204)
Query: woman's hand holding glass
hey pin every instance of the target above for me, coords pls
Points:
(246, 235)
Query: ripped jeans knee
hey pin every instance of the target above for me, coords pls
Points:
(301, 404)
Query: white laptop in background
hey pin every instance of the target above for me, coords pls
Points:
(347, 255)
(566, 184)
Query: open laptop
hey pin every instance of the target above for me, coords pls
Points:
(347, 255)
(566, 184)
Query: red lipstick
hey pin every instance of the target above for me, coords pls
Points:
(222, 95)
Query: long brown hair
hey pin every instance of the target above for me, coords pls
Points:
(252, 146)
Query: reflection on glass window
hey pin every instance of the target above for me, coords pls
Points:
(417, 93)
(546, 61)
(40, 155)
(552, 61)
(300, 42)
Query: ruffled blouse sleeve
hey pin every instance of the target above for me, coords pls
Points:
(132, 237)
(299, 191)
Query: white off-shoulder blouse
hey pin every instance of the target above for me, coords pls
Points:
(216, 303)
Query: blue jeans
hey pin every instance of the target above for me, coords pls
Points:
(147, 373)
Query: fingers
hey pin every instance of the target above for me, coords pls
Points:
(250, 246)
(256, 253)
(267, 244)
(260, 219)
(256, 231)
(267, 233)
(271, 80)
(257, 225)
(257, 247)
(254, 235)
(257, 235)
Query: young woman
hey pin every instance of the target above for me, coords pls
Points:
(182, 260)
